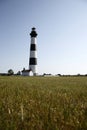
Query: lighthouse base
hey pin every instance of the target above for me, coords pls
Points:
(33, 69)
(32, 74)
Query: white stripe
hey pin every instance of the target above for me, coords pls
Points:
(33, 54)
(33, 68)
(33, 40)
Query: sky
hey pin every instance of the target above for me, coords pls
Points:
(62, 35)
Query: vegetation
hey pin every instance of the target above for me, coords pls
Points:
(10, 72)
(43, 103)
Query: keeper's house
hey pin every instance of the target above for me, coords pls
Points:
(25, 72)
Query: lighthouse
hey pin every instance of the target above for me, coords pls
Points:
(33, 52)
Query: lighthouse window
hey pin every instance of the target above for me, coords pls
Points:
(33, 47)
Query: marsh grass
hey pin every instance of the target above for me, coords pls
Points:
(43, 103)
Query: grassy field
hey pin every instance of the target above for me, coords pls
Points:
(43, 103)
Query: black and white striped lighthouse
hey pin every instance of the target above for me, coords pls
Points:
(33, 52)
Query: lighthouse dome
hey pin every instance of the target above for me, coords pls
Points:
(33, 32)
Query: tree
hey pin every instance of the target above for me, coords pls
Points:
(10, 72)
(19, 73)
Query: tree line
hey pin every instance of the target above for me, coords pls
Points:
(10, 72)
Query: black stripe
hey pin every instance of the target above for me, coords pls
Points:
(33, 61)
(33, 47)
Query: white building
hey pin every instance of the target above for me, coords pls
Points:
(25, 72)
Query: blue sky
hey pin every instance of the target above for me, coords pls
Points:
(62, 35)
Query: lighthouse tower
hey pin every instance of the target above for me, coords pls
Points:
(33, 52)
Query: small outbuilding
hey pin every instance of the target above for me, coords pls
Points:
(25, 72)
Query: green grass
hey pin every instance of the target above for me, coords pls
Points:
(43, 103)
